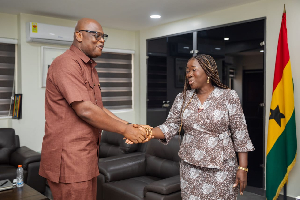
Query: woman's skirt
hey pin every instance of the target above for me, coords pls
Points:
(199, 183)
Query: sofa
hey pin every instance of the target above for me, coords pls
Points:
(149, 175)
(12, 155)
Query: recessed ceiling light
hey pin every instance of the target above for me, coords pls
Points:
(226, 38)
(155, 16)
(261, 51)
(186, 47)
(217, 48)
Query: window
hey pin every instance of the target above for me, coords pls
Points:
(115, 76)
(7, 70)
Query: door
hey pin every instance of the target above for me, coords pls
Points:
(156, 81)
(166, 63)
(253, 106)
(156, 90)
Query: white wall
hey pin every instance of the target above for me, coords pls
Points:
(272, 10)
(9, 26)
(31, 126)
(4, 123)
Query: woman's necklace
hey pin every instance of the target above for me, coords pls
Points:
(201, 107)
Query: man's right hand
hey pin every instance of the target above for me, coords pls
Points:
(135, 135)
(144, 129)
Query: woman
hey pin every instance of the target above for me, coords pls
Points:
(215, 128)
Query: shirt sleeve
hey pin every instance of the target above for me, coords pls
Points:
(171, 126)
(69, 80)
(237, 125)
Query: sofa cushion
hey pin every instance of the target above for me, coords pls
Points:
(162, 160)
(129, 189)
(112, 144)
(8, 172)
(7, 144)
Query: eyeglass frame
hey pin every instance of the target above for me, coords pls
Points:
(104, 36)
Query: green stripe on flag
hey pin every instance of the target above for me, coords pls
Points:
(280, 158)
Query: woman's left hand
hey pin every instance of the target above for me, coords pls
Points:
(241, 179)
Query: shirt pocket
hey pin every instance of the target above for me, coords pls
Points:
(90, 88)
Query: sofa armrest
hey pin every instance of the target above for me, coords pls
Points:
(23, 156)
(122, 167)
(34, 180)
(164, 186)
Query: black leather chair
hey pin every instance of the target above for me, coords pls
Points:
(12, 155)
(153, 175)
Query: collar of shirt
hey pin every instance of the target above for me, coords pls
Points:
(82, 56)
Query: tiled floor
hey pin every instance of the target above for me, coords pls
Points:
(251, 196)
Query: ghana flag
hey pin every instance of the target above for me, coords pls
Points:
(282, 141)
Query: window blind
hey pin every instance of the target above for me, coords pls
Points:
(7, 70)
(115, 77)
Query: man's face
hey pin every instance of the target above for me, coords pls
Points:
(90, 45)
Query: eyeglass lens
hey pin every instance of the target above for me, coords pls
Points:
(99, 35)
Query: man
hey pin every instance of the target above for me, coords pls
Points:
(75, 117)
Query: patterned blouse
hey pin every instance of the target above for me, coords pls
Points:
(214, 131)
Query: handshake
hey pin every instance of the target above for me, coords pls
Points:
(136, 133)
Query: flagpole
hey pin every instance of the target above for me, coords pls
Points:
(284, 192)
(284, 188)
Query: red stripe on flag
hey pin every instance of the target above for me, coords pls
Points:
(282, 57)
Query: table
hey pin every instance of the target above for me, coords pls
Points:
(24, 193)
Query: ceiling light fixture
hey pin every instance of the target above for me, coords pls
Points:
(218, 48)
(226, 38)
(262, 51)
(155, 16)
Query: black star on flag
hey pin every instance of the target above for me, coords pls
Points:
(276, 115)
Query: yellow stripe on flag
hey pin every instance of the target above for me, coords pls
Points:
(281, 98)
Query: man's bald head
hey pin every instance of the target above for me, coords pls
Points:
(85, 40)
(87, 24)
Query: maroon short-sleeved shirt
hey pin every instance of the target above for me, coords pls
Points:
(70, 145)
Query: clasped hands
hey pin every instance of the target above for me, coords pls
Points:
(144, 133)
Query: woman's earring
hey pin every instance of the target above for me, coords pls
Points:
(207, 80)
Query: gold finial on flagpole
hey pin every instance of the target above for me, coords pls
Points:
(284, 11)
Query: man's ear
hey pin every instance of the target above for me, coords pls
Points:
(78, 36)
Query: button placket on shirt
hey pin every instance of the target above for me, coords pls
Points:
(92, 85)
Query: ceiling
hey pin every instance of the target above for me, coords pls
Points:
(119, 14)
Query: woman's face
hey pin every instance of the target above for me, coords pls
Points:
(195, 74)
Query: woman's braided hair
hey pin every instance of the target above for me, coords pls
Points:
(209, 66)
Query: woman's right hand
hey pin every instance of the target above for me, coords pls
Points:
(142, 128)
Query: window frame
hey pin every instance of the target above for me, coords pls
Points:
(15, 42)
(123, 51)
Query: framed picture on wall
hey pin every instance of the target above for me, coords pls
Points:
(48, 54)
(180, 65)
(17, 108)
